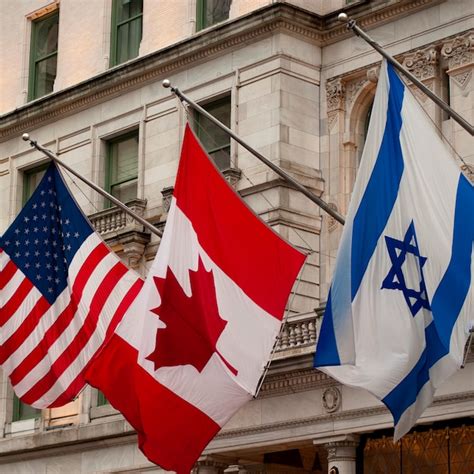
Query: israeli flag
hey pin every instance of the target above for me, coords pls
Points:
(401, 302)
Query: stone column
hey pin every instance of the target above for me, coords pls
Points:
(342, 455)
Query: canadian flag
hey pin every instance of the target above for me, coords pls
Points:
(192, 347)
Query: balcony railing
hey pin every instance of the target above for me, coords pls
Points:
(113, 220)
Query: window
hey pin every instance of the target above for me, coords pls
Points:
(216, 141)
(31, 179)
(101, 400)
(43, 55)
(122, 167)
(22, 411)
(210, 12)
(127, 16)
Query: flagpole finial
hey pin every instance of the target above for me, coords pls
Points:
(343, 17)
(25, 137)
(166, 83)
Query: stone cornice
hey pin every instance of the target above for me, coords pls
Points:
(340, 415)
(278, 17)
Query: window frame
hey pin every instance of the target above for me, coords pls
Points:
(16, 412)
(33, 60)
(115, 25)
(201, 8)
(109, 184)
(27, 174)
(225, 99)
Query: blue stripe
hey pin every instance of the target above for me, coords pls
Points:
(405, 393)
(446, 305)
(453, 288)
(382, 189)
(326, 349)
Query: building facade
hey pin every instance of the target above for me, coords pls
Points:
(84, 78)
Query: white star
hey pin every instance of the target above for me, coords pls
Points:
(17, 254)
(26, 218)
(35, 206)
(17, 231)
(38, 277)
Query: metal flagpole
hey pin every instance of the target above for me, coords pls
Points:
(352, 25)
(122, 206)
(316, 199)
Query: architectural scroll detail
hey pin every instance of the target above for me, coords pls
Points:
(460, 51)
(423, 63)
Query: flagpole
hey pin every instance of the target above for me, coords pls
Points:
(52, 156)
(352, 25)
(310, 195)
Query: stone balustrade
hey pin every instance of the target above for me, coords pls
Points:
(298, 332)
(111, 221)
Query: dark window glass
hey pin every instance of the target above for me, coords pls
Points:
(216, 141)
(122, 167)
(127, 17)
(31, 179)
(43, 55)
(210, 12)
(22, 411)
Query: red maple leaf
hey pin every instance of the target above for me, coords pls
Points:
(193, 324)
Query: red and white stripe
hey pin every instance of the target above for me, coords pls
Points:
(45, 348)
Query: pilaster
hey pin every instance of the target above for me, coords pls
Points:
(459, 56)
(424, 64)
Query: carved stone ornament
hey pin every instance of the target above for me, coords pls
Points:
(373, 74)
(423, 63)
(335, 92)
(460, 51)
(331, 399)
(462, 79)
(167, 193)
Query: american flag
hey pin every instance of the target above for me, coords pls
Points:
(62, 293)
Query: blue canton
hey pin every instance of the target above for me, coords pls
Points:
(395, 279)
(46, 235)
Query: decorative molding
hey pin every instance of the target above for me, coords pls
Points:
(342, 415)
(462, 79)
(276, 18)
(294, 381)
(167, 193)
(335, 94)
(423, 63)
(332, 399)
(232, 175)
(332, 223)
(373, 74)
(460, 51)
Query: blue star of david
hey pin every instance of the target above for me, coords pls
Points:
(395, 279)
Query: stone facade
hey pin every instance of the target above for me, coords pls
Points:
(301, 88)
